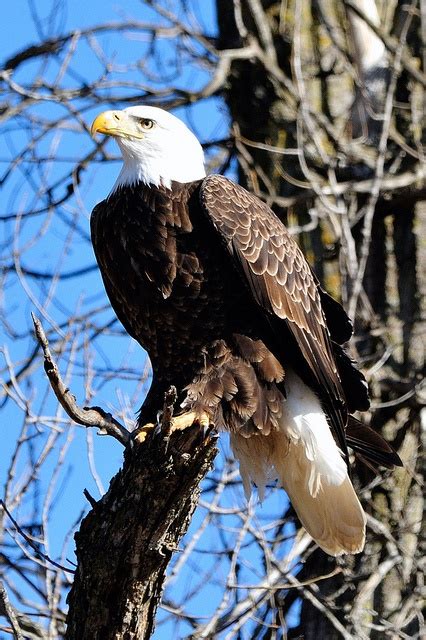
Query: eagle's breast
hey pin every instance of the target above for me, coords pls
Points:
(160, 272)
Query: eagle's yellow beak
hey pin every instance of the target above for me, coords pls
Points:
(116, 123)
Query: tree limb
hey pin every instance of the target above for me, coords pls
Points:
(86, 416)
(8, 611)
(126, 542)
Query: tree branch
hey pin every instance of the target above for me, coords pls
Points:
(8, 611)
(86, 416)
(126, 542)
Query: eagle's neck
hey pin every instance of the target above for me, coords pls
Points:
(135, 172)
(156, 168)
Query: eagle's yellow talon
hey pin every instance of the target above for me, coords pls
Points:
(143, 433)
(186, 420)
(179, 423)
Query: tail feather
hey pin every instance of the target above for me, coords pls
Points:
(254, 454)
(304, 456)
(354, 383)
(334, 516)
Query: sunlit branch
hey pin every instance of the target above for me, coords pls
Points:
(88, 417)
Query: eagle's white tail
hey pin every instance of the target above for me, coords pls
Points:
(306, 459)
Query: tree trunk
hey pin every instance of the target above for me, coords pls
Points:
(125, 543)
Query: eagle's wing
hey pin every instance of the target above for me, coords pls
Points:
(280, 281)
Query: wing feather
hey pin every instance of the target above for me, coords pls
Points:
(280, 281)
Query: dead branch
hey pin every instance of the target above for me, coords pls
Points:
(125, 543)
(86, 416)
(8, 611)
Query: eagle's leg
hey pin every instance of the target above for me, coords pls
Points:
(143, 432)
(186, 420)
(178, 423)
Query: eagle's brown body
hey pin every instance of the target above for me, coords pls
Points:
(178, 290)
(210, 283)
(164, 273)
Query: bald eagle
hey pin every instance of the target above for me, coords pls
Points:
(208, 280)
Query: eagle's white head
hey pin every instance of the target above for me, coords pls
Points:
(157, 147)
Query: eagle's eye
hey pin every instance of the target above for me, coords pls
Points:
(147, 123)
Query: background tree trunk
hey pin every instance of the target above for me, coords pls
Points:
(377, 588)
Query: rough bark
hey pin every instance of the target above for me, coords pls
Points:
(126, 541)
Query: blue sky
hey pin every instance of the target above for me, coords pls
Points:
(108, 352)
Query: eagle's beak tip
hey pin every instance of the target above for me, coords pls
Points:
(101, 124)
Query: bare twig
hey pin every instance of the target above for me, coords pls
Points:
(30, 542)
(86, 416)
(290, 585)
(7, 610)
